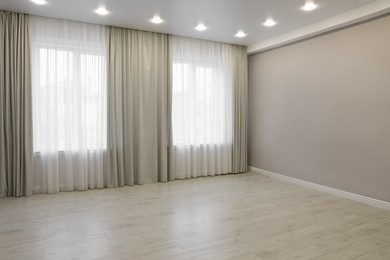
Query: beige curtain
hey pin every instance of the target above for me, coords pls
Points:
(15, 106)
(240, 75)
(138, 109)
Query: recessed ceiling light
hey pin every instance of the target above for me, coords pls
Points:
(309, 6)
(240, 34)
(269, 22)
(101, 11)
(201, 27)
(156, 19)
(39, 2)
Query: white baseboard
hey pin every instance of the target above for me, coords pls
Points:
(348, 195)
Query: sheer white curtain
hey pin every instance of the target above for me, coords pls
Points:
(202, 107)
(69, 105)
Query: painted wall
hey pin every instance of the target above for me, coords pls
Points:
(320, 109)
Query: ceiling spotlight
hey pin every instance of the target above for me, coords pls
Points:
(201, 27)
(240, 34)
(101, 11)
(309, 5)
(269, 22)
(156, 19)
(39, 2)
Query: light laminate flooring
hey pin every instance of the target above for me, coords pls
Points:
(244, 216)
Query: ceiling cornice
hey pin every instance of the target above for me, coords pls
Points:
(353, 16)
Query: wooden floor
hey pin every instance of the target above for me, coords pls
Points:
(245, 216)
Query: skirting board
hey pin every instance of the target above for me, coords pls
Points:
(348, 195)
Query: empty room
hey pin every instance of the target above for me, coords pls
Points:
(183, 129)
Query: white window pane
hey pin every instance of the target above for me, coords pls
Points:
(198, 106)
(69, 97)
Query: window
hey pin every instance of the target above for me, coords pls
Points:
(69, 95)
(200, 105)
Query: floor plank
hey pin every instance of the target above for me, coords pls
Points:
(244, 216)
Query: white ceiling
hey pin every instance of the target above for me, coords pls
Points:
(223, 17)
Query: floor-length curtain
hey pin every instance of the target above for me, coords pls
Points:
(69, 105)
(138, 107)
(15, 106)
(240, 126)
(208, 108)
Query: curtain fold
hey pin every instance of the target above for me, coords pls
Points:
(240, 127)
(209, 97)
(138, 118)
(15, 106)
(69, 105)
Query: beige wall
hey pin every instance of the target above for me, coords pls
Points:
(320, 109)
